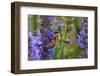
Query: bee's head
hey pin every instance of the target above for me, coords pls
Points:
(57, 35)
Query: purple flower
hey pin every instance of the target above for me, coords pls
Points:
(84, 19)
(59, 26)
(52, 19)
(82, 32)
(50, 54)
(30, 35)
(35, 53)
(41, 52)
(82, 45)
(82, 37)
(34, 46)
(47, 41)
(50, 35)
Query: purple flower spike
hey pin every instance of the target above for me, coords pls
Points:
(82, 37)
(34, 46)
(47, 35)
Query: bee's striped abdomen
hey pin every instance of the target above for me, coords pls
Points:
(52, 44)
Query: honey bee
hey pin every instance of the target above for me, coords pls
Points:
(53, 41)
(52, 44)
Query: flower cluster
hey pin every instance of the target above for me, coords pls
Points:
(82, 37)
(47, 35)
(35, 46)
